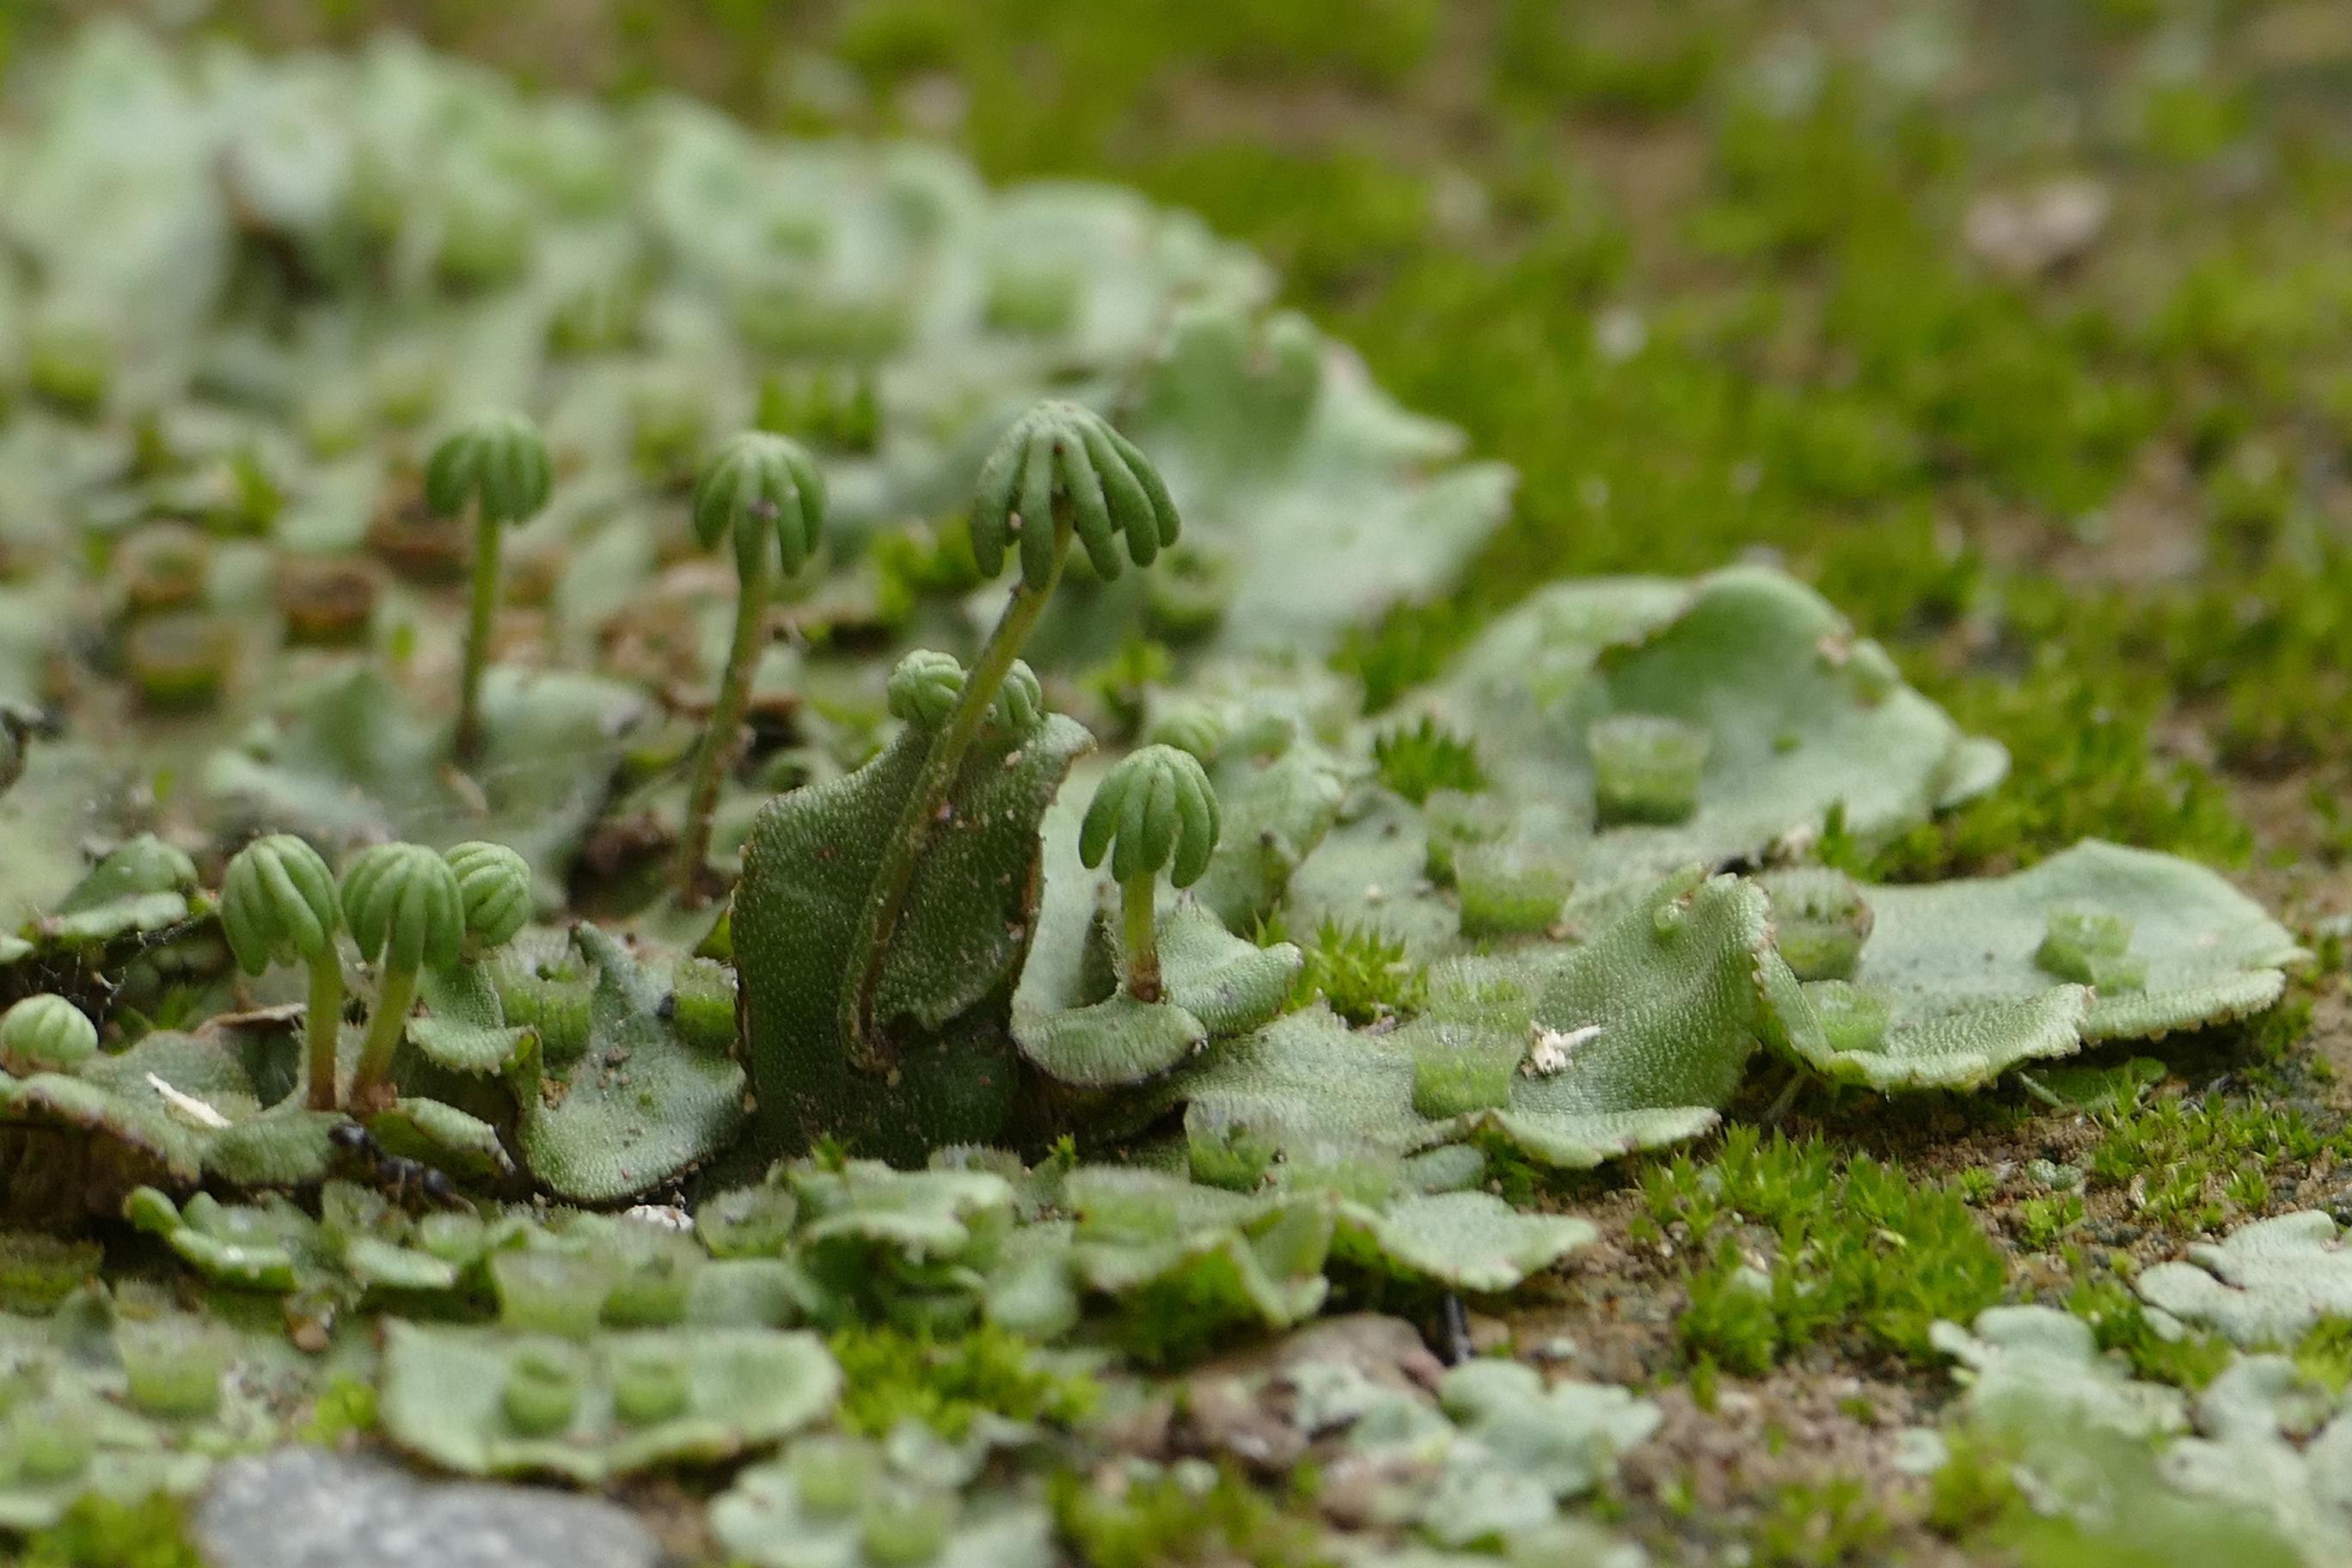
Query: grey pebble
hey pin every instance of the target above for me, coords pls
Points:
(309, 1508)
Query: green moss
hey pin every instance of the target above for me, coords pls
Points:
(1974, 1487)
(1408, 645)
(2324, 1354)
(891, 1376)
(1361, 972)
(99, 1533)
(2193, 1165)
(1975, 1185)
(1180, 1517)
(2191, 1360)
(1791, 1242)
(347, 1406)
(2041, 1221)
(1425, 758)
(1820, 1524)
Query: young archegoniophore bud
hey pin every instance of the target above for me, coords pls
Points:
(498, 460)
(405, 911)
(494, 886)
(1193, 727)
(404, 907)
(1155, 809)
(279, 904)
(761, 484)
(925, 686)
(46, 1033)
(1020, 703)
(1064, 450)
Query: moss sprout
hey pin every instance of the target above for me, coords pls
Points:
(1425, 758)
(163, 566)
(1361, 972)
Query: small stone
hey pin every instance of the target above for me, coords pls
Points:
(309, 1508)
(2023, 233)
(1488, 1336)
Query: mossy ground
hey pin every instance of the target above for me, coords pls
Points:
(1700, 270)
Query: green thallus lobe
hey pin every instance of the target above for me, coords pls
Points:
(279, 905)
(1155, 809)
(760, 486)
(499, 461)
(1059, 473)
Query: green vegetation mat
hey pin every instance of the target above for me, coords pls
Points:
(1696, 915)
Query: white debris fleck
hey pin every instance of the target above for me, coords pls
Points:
(190, 1108)
(1548, 1050)
(2024, 232)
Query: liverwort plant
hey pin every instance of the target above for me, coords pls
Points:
(46, 1033)
(493, 888)
(1155, 809)
(279, 905)
(760, 486)
(498, 462)
(406, 910)
(1060, 474)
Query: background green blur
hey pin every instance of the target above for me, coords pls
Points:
(2020, 327)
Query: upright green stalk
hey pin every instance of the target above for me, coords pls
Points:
(711, 757)
(485, 603)
(760, 486)
(911, 834)
(1060, 475)
(1140, 930)
(372, 1080)
(322, 1029)
(498, 462)
(406, 910)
